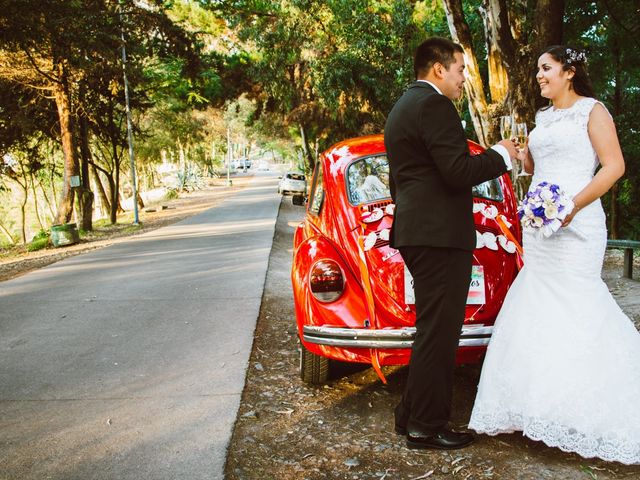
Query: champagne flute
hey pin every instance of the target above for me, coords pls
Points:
(506, 127)
(520, 131)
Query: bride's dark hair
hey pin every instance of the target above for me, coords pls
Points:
(576, 60)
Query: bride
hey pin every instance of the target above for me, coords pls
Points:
(563, 365)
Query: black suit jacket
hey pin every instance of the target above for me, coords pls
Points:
(432, 171)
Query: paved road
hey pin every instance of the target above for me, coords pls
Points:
(129, 362)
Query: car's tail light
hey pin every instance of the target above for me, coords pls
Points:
(326, 281)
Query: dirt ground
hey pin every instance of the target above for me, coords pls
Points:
(344, 430)
(18, 261)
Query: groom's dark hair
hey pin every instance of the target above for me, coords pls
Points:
(434, 50)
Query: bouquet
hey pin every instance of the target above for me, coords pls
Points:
(544, 208)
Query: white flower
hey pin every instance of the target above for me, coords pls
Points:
(551, 210)
(537, 222)
(546, 195)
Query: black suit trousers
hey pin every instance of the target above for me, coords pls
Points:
(441, 284)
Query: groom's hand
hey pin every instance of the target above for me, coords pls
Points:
(510, 146)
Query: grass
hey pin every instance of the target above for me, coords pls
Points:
(37, 244)
(102, 228)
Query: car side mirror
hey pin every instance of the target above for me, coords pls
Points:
(299, 199)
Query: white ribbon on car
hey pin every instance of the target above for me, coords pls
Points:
(488, 239)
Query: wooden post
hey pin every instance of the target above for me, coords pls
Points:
(628, 263)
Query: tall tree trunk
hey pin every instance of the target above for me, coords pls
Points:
(617, 110)
(47, 201)
(498, 80)
(85, 194)
(305, 149)
(114, 184)
(513, 54)
(52, 175)
(25, 199)
(474, 87)
(104, 199)
(35, 201)
(71, 168)
(7, 234)
(23, 213)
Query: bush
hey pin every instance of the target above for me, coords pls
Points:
(39, 241)
(171, 194)
(190, 179)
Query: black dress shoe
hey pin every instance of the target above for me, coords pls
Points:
(400, 429)
(442, 440)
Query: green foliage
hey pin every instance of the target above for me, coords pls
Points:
(171, 194)
(190, 178)
(332, 68)
(608, 31)
(39, 241)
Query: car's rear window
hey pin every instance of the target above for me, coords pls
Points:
(295, 176)
(490, 190)
(368, 181)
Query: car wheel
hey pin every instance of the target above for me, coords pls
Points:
(313, 368)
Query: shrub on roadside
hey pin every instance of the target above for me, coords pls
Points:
(171, 194)
(39, 241)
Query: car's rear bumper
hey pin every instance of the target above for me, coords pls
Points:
(471, 336)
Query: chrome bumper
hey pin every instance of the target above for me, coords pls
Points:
(471, 336)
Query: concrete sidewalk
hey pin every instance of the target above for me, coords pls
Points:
(129, 362)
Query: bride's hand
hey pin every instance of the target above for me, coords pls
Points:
(569, 217)
(522, 152)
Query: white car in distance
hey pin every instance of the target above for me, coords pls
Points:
(293, 182)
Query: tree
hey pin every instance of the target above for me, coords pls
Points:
(514, 34)
(324, 70)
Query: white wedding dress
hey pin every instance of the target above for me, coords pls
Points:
(563, 365)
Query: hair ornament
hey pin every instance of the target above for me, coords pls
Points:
(574, 56)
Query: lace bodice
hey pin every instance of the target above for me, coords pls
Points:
(561, 148)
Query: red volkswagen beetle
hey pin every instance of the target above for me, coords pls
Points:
(353, 294)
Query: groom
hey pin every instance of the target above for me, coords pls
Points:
(432, 174)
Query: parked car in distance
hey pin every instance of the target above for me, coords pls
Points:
(241, 164)
(293, 182)
(352, 292)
